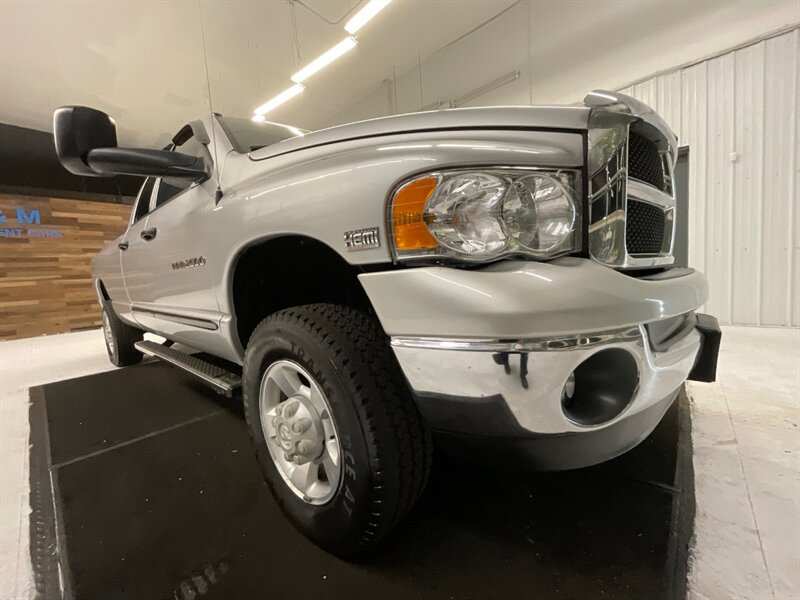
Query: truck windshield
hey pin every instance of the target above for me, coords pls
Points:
(247, 136)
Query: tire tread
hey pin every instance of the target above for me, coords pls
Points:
(125, 337)
(400, 445)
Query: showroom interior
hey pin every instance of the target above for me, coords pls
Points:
(367, 244)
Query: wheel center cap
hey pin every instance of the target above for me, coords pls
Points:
(285, 436)
(298, 430)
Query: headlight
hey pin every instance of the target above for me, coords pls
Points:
(481, 215)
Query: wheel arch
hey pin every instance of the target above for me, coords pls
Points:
(101, 291)
(288, 270)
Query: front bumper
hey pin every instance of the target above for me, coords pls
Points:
(582, 364)
(515, 393)
(525, 299)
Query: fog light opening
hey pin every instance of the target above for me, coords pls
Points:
(600, 388)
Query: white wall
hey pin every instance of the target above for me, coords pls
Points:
(738, 113)
(564, 49)
(637, 39)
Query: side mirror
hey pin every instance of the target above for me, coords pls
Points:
(78, 130)
(86, 144)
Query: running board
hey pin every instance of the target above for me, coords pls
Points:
(222, 380)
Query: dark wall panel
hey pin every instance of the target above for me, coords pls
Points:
(28, 164)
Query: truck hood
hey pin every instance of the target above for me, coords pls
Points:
(505, 117)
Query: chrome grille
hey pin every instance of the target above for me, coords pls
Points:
(644, 161)
(644, 228)
(630, 219)
(630, 157)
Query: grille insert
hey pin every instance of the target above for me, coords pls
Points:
(644, 161)
(644, 228)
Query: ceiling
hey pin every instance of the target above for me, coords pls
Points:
(143, 62)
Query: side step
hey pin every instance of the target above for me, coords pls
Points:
(222, 380)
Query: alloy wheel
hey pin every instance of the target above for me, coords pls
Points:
(301, 434)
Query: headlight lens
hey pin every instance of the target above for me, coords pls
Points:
(463, 214)
(540, 213)
(484, 215)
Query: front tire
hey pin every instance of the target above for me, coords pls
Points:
(120, 338)
(336, 432)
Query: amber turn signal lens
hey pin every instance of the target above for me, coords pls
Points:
(410, 232)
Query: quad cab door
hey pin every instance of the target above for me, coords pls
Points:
(128, 247)
(165, 266)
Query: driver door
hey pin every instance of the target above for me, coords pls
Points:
(133, 269)
(169, 280)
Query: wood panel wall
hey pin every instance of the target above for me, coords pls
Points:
(45, 282)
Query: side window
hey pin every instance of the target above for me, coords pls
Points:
(143, 200)
(169, 188)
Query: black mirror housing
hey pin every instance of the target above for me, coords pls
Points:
(86, 144)
(77, 131)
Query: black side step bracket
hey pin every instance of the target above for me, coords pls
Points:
(220, 379)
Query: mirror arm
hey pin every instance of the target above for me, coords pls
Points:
(198, 171)
(147, 163)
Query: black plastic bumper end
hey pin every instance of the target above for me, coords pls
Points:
(705, 368)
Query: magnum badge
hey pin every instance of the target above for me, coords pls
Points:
(198, 261)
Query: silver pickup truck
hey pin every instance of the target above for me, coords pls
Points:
(500, 277)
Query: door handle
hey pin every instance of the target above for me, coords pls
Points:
(123, 245)
(149, 234)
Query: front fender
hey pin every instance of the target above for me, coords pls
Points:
(326, 191)
(106, 267)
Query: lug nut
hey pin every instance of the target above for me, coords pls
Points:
(302, 424)
(304, 446)
(278, 409)
(291, 409)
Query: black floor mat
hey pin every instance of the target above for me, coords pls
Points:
(157, 495)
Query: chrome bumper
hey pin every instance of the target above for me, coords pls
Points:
(490, 352)
(519, 386)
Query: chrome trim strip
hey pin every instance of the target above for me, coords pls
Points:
(548, 344)
(647, 193)
(182, 319)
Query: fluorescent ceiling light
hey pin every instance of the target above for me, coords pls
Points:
(363, 16)
(322, 61)
(295, 130)
(279, 99)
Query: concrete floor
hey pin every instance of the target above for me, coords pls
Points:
(746, 460)
(23, 364)
(747, 469)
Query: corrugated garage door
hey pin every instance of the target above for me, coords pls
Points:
(738, 113)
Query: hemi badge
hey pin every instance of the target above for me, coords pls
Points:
(362, 239)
